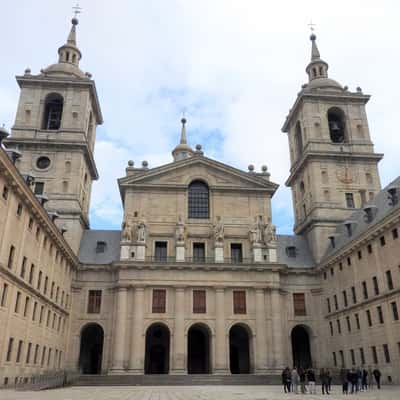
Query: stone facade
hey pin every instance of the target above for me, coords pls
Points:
(196, 280)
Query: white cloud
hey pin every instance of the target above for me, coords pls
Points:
(235, 65)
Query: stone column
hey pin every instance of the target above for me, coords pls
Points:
(178, 360)
(277, 334)
(119, 332)
(261, 331)
(221, 362)
(136, 361)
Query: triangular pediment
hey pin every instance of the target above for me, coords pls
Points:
(181, 173)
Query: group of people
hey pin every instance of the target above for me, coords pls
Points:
(353, 381)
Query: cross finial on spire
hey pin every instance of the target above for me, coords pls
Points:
(77, 10)
(311, 25)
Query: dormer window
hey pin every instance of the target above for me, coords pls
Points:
(370, 212)
(332, 239)
(393, 195)
(350, 225)
(101, 247)
(291, 251)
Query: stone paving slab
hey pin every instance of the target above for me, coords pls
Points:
(191, 393)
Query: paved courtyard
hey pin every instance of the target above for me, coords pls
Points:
(188, 393)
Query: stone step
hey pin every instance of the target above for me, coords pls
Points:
(172, 380)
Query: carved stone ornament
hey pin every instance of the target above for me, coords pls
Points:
(345, 175)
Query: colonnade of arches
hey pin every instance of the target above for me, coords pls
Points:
(199, 337)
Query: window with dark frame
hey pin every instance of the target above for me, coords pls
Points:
(365, 289)
(9, 349)
(395, 312)
(199, 252)
(335, 301)
(19, 209)
(101, 247)
(353, 358)
(354, 294)
(160, 251)
(349, 200)
(39, 188)
(159, 301)
(348, 323)
(239, 302)
(389, 280)
(17, 301)
(11, 257)
(357, 321)
(299, 304)
(199, 301)
(382, 240)
(236, 253)
(374, 355)
(341, 357)
(198, 200)
(53, 112)
(4, 295)
(395, 233)
(31, 272)
(19, 351)
(331, 327)
(339, 327)
(5, 192)
(376, 286)
(386, 352)
(369, 248)
(369, 318)
(380, 314)
(345, 303)
(328, 303)
(94, 301)
(362, 355)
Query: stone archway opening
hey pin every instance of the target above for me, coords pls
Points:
(91, 349)
(157, 349)
(198, 361)
(301, 347)
(239, 349)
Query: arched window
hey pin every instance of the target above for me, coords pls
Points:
(298, 139)
(198, 196)
(336, 122)
(53, 111)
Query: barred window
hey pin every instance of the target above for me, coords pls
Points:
(198, 200)
(94, 301)
(239, 302)
(199, 301)
(299, 304)
(159, 297)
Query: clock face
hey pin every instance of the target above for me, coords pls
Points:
(345, 175)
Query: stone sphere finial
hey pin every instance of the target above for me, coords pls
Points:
(264, 168)
(88, 74)
(27, 71)
(198, 147)
(359, 90)
(75, 21)
(251, 167)
(131, 163)
(145, 164)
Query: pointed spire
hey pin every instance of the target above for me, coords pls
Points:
(72, 34)
(314, 49)
(182, 150)
(69, 52)
(317, 68)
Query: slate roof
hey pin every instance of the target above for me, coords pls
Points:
(303, 257)
(87, 251)
(381, 207)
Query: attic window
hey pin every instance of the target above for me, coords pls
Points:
(333, 241)
(349, 227)
(393, 195)
(101, 247)
(291, 251)
(369, 214)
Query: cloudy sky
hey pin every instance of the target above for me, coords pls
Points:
(235, 66)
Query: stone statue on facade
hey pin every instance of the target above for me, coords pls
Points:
(141, 231)
(269, 232)
(180, 230)
(256, 231)
(219, 230)
(127, 229)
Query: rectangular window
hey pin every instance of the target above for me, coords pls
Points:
(159, 300)
(39, 188)
(359, 254)
(341, 358)
(362, 356)
(389, 280)
(339, 327)
(199, 301)
(48, 318)
(332, 272)
(4, 295)
(30, 223)
(353, 294)
(334, 359)
(341, 266)
(369, 319)
(11, 257)
(348, 261)
(369, 249)
(34, 311)
(365, 290)
(94, 302)
(386, 352)
(336, 302)
(41, 314)
(199, 252)
(49, 357)
(43, 355)
(299, 304)
(236, 253)
(23, 267)
(349, 200)
(46, 283)
(52, 290)
(5, 192)
(19, 209)
(375, 284)
(19, 351)
(28, 353)
(345, 298)
(374, 355)
(394, 311)
(39, 281)
(239, 302)
(357, 321)
(353, 358)
(17, 300)
(331, 327)
(26, 306)
(348, 323)
(9, 349)
(382, 240)
(160, 251)
(380, 314)
(395, 233)
(31, 272)
(328, 303)
(35, 357)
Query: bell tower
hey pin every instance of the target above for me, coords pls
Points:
(334, 168)
(55, 130)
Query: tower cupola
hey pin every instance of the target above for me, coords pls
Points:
(182, 150)
(69, 52)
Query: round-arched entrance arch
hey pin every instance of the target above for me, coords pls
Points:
(239, 349)
(91, 349)
(301, 347)
(198, 361)
(157, 349)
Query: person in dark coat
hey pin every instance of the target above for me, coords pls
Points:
(324, 377)
(311, 381)
(353, 381)
(302, 375)
(377, 375)
(344, 380)
(364, 379)
(286, 379)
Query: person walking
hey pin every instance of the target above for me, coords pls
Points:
(286, 380)
(364, 384)
(344, 380)
(302, 376)
(323, 376)
(311, 381)
(328, 372)
(353, 381)
(294, 377)
(377, 376)
(359, 379)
